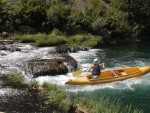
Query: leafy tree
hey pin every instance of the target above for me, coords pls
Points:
(81, 19)
(5, 16)
(75, 22)
(30, 13)
(57, 14)
(138, 15)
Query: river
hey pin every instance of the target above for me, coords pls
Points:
(133, 91)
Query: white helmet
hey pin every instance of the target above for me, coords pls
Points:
(96, 61)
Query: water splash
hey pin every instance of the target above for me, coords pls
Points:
(13, 62)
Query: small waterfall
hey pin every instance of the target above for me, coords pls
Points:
(16, 61)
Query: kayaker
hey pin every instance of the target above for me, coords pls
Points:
(96, 68)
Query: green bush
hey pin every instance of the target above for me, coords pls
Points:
(49, 87)
(104, 105)
(24, 38)
(26, 30)
(57, 96)
(93, 41)
(77, 39)
(16, 78)
(33, 83)
(84, 40)
(56, 32)
(42, 40)
(50, 40)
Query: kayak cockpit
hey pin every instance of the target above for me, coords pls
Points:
(116, 73)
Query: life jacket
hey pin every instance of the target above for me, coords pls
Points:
(96, 69)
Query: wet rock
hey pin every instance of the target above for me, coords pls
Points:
(71, 62)
(62, 49)
(5, 34)
(47, 67)
(2, 47)
(42, 67)
(10, 47)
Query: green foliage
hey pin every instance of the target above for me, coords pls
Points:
(113, 26)
(105, 105)
(56, 32)
(114, 20)
(31, 13)
(92, 42)
(138, 15)
(24, 38)
(33, 83)
(60, 98)
(50, 40)
(25, 29)
(41, 40)
(77, 39)
(75, 22)
(49, 87)
(16, 78)
(56, 38)
(57, 14)
(84, 40)
(5, 16)
(57, 96)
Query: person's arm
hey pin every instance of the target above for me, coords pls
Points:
(89, 69)
(103, 65)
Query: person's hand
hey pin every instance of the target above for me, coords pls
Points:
(103, 65)
(85, 70)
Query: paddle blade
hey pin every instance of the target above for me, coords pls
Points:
(77, 73)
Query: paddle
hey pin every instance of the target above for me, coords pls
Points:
(77, 73)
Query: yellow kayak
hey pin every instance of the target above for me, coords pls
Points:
(108, 76)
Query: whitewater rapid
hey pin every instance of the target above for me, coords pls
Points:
(13, 62)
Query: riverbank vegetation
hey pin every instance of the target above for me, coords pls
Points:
(113, 20)
(54, 39)
(58, 98)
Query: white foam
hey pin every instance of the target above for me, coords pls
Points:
(59, 79)
(8, 91)
(12, 60)
(119, 85)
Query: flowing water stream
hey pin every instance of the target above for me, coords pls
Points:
(134, 91)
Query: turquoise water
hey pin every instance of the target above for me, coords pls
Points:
(131, 55)
(135, 91)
